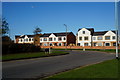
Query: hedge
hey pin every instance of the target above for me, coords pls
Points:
(19, 48)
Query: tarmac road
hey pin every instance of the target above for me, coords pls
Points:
(41, 67)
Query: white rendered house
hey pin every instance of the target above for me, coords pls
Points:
(87, 37)
(57, 39)
(24, 39)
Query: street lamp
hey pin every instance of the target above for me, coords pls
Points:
(66, 35)
(116, 25)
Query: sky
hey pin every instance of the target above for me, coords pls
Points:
(24, 17)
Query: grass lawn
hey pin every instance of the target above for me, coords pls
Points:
(102, 50)
(31, 55)
(106, 69)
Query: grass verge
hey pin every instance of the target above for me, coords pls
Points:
(102, 50)
(106, 69)
(31, 55)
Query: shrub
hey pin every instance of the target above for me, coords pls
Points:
(19, 48)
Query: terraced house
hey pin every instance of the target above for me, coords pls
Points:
(88, 37)
(28, 39)
(57, 39)
(47, 39)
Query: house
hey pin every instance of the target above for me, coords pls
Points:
(28, 39)
(57, 39)
(84, 37)
(24, 39)
(88, 37)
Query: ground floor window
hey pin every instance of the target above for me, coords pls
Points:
(94, 44)
(78, 44)
(55, 44)
(45, 44)
(107, 44)
(64, 44)
(86, 44)
(40, 44)
(59, 44)
(99, 44)
(50, 44)
(114, 44)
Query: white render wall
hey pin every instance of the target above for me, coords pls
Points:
(87, 34)
(26, 37)
(109, 33)
(52, 36)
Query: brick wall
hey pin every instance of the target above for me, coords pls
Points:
(80, 47)
(71, 39)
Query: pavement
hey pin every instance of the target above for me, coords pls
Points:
(42, 67)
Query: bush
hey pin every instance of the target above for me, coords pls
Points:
(19, 48)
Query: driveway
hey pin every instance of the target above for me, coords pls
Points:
(41, 67)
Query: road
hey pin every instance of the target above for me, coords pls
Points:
(41, 67)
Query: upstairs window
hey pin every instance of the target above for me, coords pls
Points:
(94, 38)
(59, 39)
(83, 32)
(29, 39)
(80, 38)
(26, 40)
(45, 39)
(113, 37)
(32, 39)
(54, 39)
(40, 39)
(85, 38)
(107, 37)
(99, 37)
(50, 39)
(64, 38)
(21, 40)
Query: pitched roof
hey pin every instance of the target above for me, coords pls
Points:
(90, 29)
(56, 34)
(22, 36)
(100, 33)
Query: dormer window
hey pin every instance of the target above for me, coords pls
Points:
(83, 32)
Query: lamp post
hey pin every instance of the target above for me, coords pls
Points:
(116, 25)
(66, 36)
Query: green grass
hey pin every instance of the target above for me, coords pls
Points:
(106, 69)
(31, 55)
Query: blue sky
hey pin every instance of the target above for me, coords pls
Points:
(23, 17)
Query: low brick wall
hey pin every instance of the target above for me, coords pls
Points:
(80, 47)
